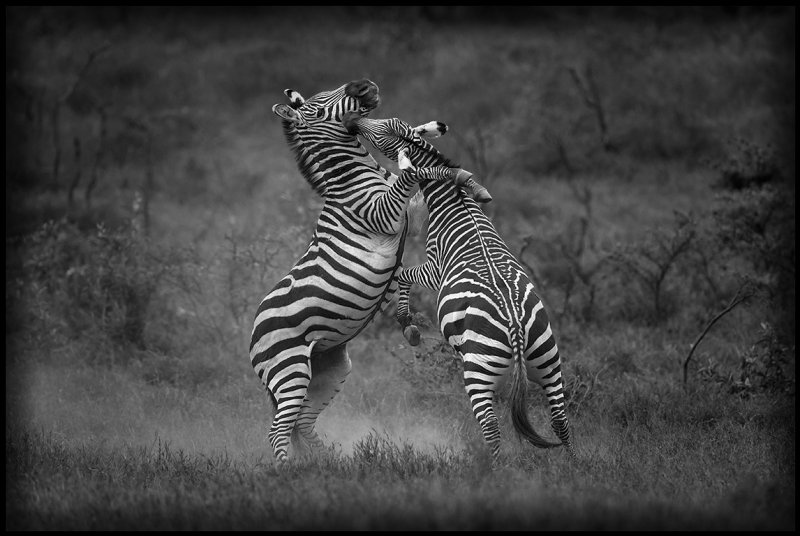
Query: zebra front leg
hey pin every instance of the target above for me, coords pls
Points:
(410, 331)
(478, 192)
(425, 274)
(329, 372)
(460, 177)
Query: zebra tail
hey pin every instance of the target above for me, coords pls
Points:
(519, 404)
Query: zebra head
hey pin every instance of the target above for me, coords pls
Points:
(392, 135)
(314, 126)
(326, 109)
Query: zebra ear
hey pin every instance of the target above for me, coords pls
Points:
(287, 113)
(431, 130)
(296, 100)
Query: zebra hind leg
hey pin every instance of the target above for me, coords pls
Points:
(560, 426)
(480, 385)
(551, 381)
(329, 372)
(288, 389)
(483, 409)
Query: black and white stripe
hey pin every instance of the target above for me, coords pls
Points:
(487, 307)
(298, 343)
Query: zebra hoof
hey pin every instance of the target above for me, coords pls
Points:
(411, 333)
(482, 196)
(462, 177)
(282, 466)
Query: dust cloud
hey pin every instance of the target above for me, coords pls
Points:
(114, 409)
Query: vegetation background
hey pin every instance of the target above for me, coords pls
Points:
(642, 166)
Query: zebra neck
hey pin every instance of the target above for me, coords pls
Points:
(447, 203)
(458, 225)
(323, 161)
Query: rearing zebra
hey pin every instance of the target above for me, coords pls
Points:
(298, 343)
(488, 310)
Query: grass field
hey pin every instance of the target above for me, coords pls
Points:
(642, 167)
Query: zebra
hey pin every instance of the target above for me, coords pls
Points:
(298, 344)
(398, 134)
(487, 307)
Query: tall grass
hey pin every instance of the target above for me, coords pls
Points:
(623, 483)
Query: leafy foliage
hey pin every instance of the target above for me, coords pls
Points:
(102, 283)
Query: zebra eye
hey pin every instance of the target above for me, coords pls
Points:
(320, 112)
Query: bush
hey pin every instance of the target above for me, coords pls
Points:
(753, 225)
(436, 367)
(100, 282)
(650, 263)
(768, 366)
(747, 166)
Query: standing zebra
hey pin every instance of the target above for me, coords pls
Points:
(298, 344)
(488, 310)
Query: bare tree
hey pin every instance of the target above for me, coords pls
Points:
(745, 291)
(101, 146)
(55, 116)
(587, 86)
(650, 260)
(574, 246)
(77, 177)
(478, 146)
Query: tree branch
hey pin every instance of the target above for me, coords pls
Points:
(743, 293)
(591, 96)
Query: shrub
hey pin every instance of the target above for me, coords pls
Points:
(746, 166)
(753, 225)
(436, 367)
(650, 262)
(100, 282)
(768, 366)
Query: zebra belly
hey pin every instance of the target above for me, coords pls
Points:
(321, 303)
(327, 318)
